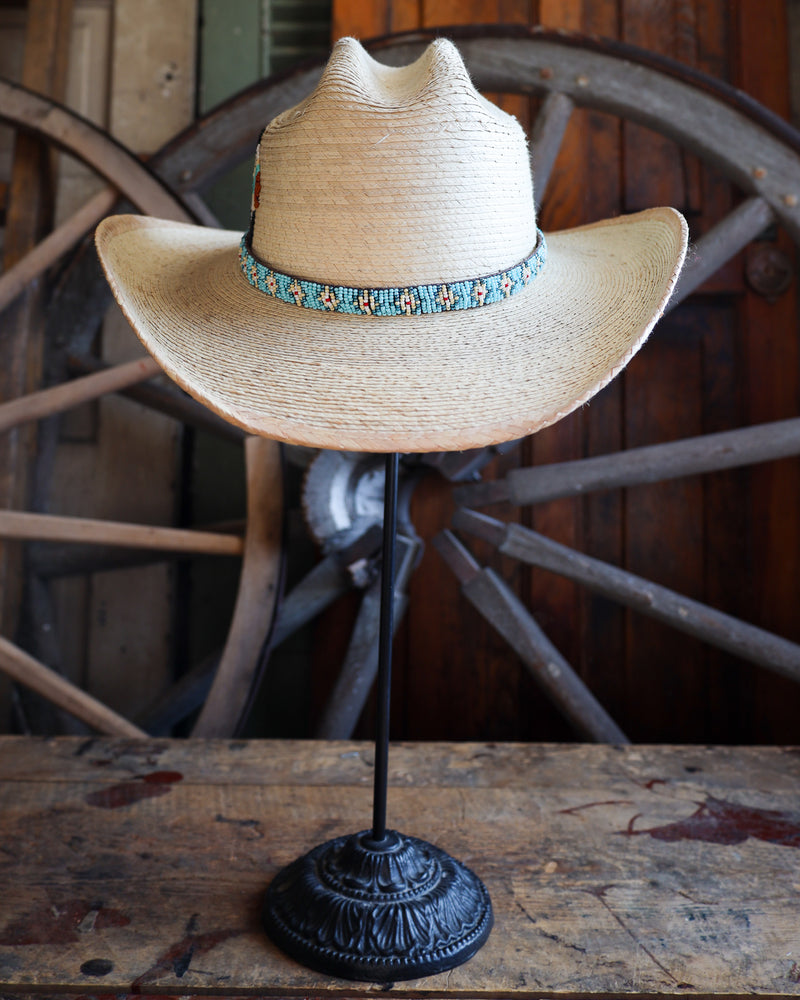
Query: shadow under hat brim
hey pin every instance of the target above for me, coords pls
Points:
(441, 382)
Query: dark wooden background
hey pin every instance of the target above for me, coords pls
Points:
(726, 358)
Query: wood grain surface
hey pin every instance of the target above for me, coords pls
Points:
(138, 867)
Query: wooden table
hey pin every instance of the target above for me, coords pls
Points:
(139, 867)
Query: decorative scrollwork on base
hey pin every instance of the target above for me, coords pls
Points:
(397, 909)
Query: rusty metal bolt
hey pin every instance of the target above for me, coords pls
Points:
(759, 172)
(582, 81)
(546, 73)
(790, 200)
(769, 270)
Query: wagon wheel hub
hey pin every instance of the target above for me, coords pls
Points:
(343, 497)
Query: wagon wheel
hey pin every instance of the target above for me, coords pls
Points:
(755, 151)
(566, 72)
(224, 683)
(751, 148)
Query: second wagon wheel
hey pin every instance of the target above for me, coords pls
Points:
(74, 545)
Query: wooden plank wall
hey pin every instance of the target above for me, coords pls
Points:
(726, 358)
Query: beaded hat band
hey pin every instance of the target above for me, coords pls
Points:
(410, 300)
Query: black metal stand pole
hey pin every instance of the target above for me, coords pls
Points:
(385, 649)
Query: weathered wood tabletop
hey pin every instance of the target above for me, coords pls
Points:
(139, 867)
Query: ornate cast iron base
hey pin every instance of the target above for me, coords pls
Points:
(397, 909)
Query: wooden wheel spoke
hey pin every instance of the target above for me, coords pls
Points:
(166, 399)
(493, 598)
(25, 669)
(324, 584)
(723, 241)
(547, 135)
(332, 577)
(56, 399)
(461, 466)
(56, 243)
(57, 528)
(183, 698)
(682, 613)
(720, 125)
(650, 464)
(360, 665)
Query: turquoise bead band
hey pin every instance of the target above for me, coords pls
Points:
(410, 300)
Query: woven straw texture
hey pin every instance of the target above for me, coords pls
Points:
(388, 176)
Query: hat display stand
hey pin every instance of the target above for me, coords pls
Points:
(379, 905)
(316, 306)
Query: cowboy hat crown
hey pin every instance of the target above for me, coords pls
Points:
(412, 160)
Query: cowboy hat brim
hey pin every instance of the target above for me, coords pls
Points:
(439, 382)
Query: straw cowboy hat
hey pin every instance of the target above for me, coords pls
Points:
(393, 292)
